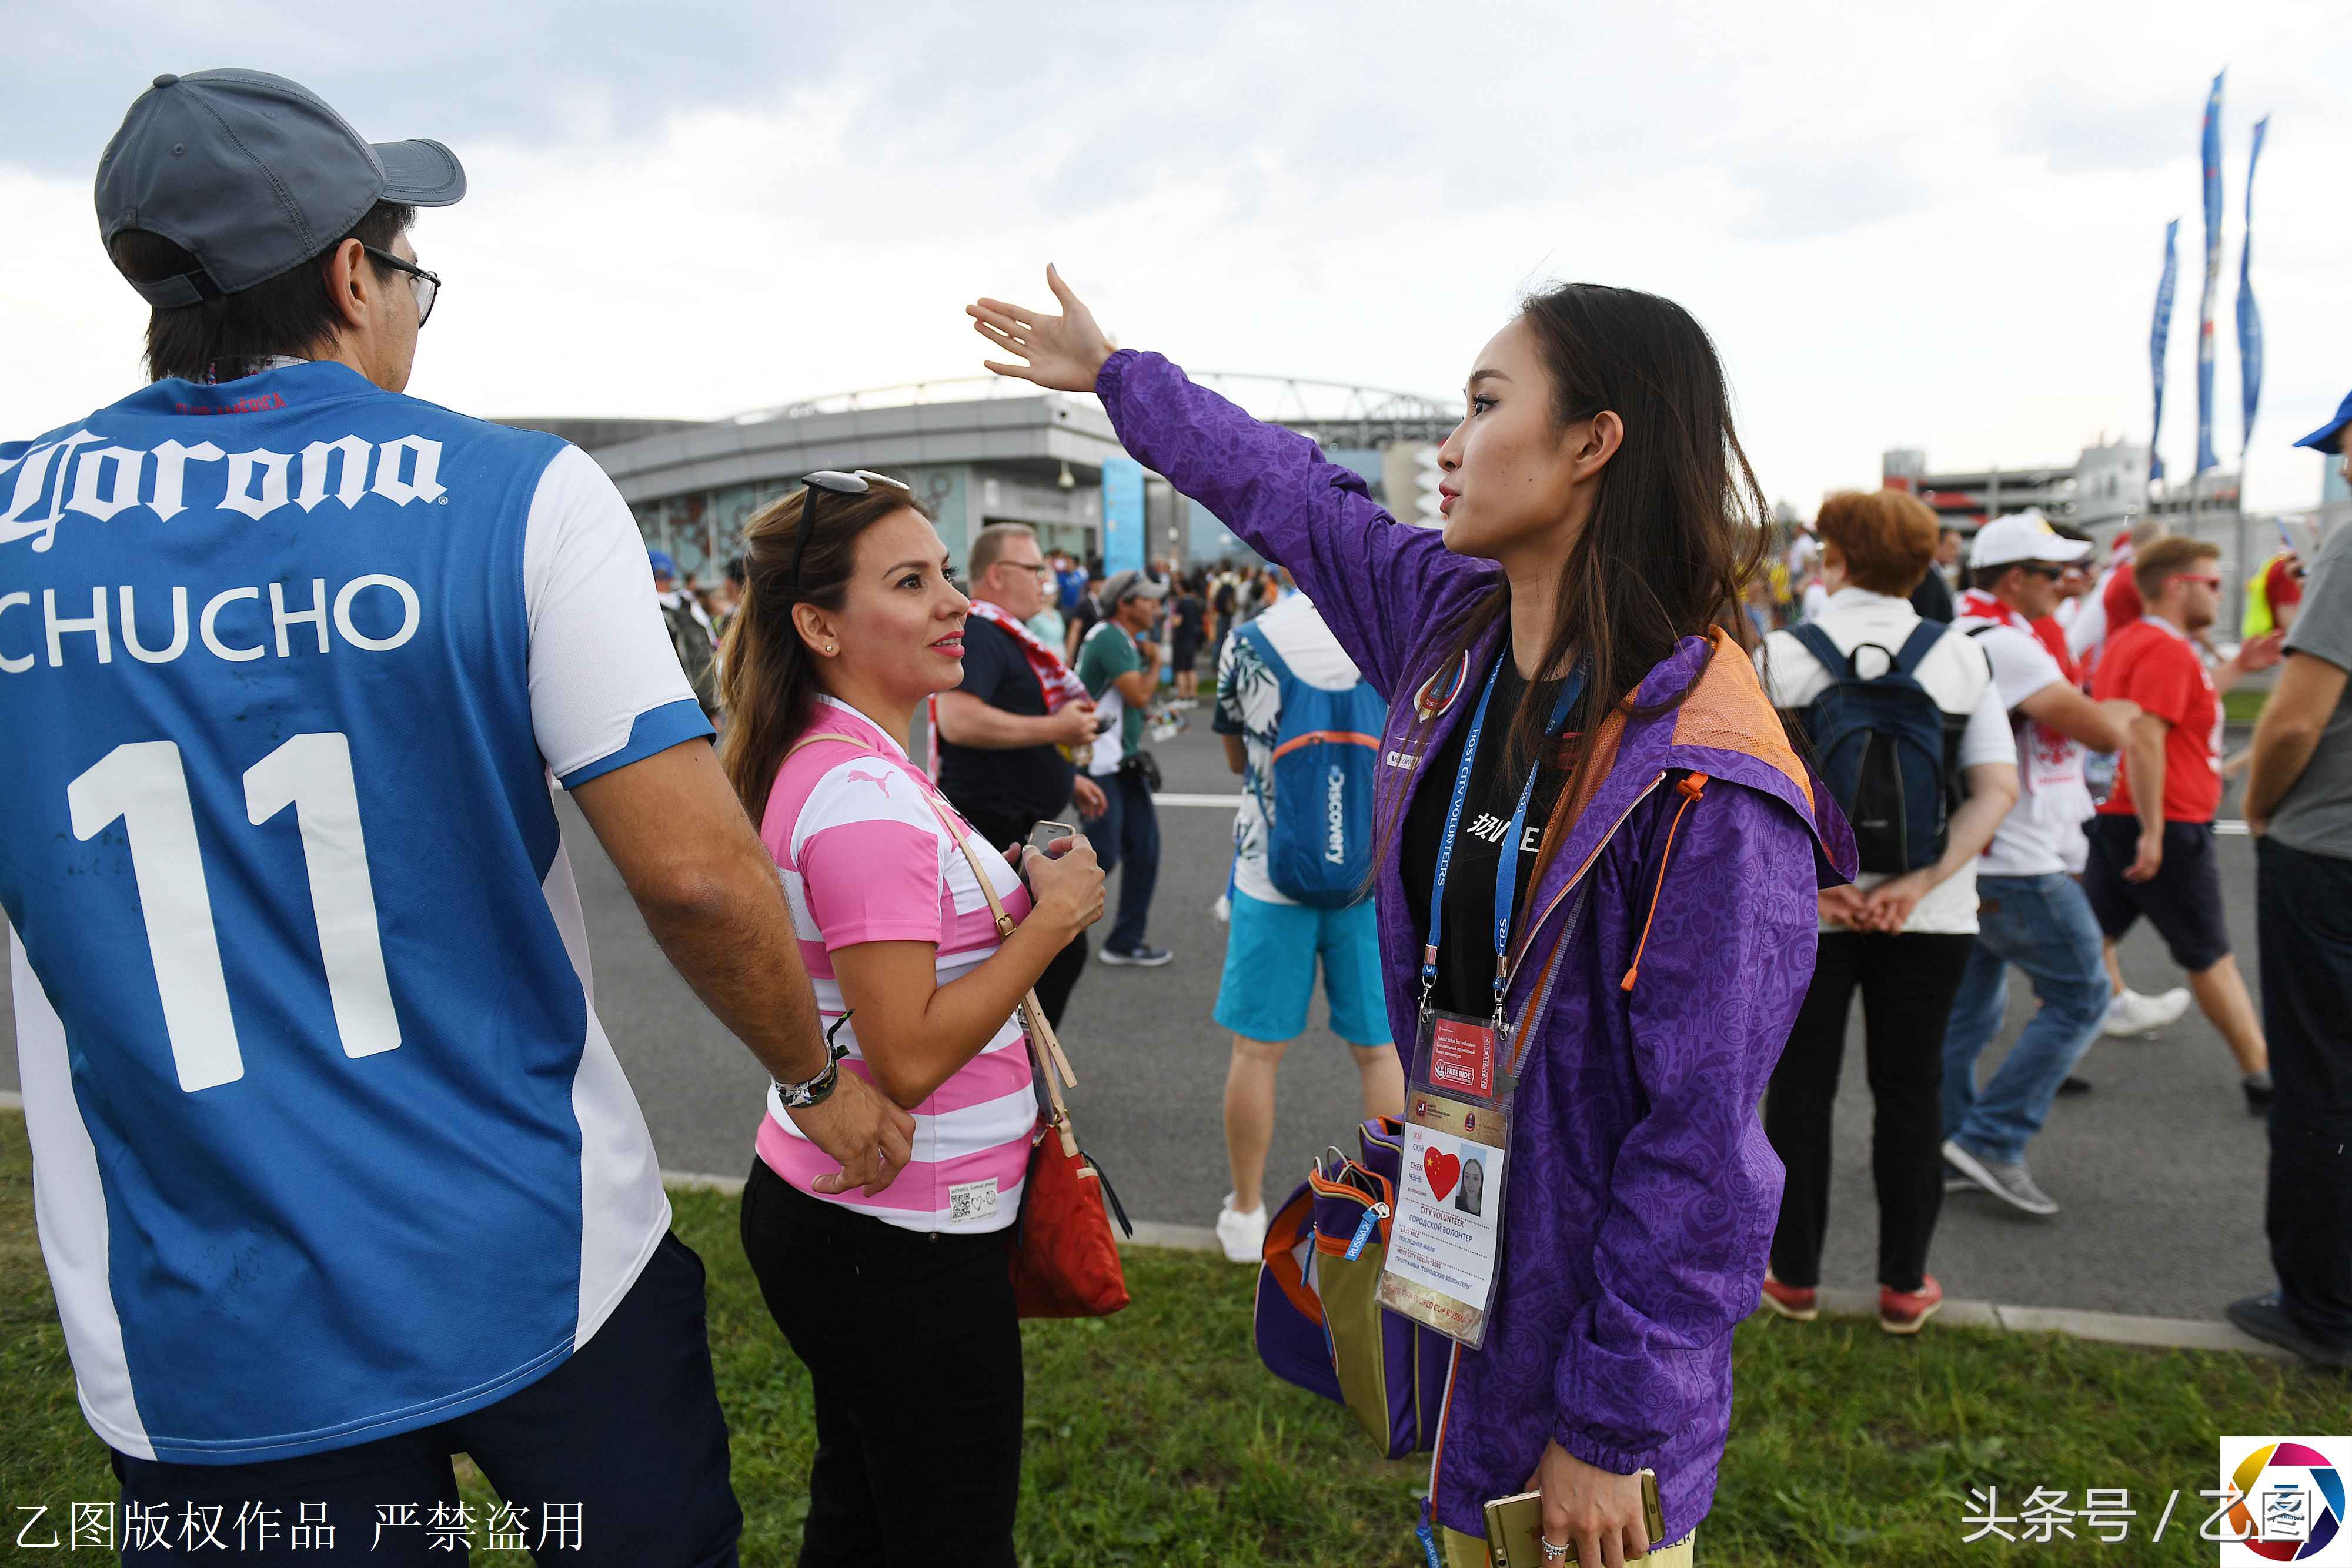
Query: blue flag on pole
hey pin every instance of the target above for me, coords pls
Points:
(2155, 341)
(2249, 315)
(2205, 458)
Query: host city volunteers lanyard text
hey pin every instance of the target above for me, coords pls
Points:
(1441, 1266)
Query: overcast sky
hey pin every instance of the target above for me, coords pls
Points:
(1935, 225)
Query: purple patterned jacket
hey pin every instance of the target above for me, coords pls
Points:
(1643, 1203)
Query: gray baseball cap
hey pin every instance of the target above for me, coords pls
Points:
(252, 176)
(1125, 585)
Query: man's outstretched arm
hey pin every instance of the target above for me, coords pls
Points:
(708, 890)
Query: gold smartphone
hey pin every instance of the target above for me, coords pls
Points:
(1514, 1525)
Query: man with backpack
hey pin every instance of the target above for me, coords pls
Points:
(1910, 736)
(691, 635)
(1300, 726)
(2029, 912)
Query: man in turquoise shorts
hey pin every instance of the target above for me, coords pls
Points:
(1271, 950)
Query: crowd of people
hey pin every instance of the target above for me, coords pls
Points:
(1603, 827)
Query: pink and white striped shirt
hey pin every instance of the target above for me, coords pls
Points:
(862, 859)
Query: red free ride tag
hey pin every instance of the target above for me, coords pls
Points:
(1462, 1056)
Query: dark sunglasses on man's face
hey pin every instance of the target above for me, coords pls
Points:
(832, 480)
(426, 284)
(2045, 570)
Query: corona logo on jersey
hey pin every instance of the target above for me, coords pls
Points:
(76, 474)
(85, 475)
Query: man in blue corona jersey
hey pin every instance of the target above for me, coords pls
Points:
(336, 1171)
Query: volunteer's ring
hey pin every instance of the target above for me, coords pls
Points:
(1554, 1551)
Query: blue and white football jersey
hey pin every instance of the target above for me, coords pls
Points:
(328, 1141)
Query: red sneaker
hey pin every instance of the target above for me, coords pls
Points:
(1902, 1312)
(1797, 1305)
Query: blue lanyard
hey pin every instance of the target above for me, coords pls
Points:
(1506, 868)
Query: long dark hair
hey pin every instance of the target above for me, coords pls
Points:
(770, 680)
(1678, 522)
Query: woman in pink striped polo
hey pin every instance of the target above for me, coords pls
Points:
(899, 1302)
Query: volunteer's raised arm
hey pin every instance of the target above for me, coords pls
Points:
(1273, 486)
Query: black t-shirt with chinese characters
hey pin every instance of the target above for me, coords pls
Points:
(1026, 784)
(1466, 956)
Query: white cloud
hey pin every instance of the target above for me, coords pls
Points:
(1941, 229)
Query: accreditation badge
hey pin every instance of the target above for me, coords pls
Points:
(1445, 1240)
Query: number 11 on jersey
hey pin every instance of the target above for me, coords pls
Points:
(144, 785)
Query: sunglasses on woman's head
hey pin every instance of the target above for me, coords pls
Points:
(855, 483)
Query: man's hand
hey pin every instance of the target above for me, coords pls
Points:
(1065, 352)
(1073, 724)
(859, 1127)
(1088, 797)
(1592, 1510)
(2259, 654)
(2151, 858)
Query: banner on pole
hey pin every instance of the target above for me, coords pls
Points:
(2156, 338)
(1122, 509)
(2249, 315)
(2212, 155)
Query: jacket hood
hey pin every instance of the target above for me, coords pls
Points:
(1727, 728)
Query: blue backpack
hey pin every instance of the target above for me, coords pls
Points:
(1319, 849)
(1885, 750)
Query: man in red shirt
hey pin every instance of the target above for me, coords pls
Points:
(2152, 842)
(2282, 588)
(2113, 601)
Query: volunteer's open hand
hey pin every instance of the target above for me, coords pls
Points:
(1065, 352)
(858, 1125)
(1597, 1511)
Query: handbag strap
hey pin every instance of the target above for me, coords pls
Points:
(1045, 1044)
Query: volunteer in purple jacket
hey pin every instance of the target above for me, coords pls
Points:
(1600, 522)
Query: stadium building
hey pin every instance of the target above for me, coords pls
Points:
(983, 450)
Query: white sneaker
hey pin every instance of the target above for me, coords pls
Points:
(1242, 1233)
(2132, 1013)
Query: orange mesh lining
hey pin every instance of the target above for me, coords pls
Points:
(1729, 711)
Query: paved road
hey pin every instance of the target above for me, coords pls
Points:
(2160, 1169)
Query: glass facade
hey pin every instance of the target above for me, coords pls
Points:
(701, 531)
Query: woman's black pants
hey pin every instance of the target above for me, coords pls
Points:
(1907, 982)
(914, 1347)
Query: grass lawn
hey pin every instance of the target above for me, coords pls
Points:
(2244, 705)
(1155, 1437)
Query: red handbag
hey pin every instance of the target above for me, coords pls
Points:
(1065, 1262)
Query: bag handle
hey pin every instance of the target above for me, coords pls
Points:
(1045, 1044)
